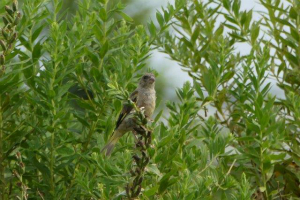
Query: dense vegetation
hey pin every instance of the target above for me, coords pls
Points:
(63, 79)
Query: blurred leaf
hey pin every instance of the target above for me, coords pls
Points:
(126, 17)
(65, 151)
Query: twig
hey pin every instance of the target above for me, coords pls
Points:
(141, 157)
(8, 39)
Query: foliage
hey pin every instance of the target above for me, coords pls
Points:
(235, 88)
(228, 137)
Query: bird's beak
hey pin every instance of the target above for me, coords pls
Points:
(152, 79)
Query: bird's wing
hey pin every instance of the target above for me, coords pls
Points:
(127, 108)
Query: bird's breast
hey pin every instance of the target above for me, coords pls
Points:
(147, 100)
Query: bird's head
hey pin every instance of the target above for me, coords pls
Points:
(147, 81)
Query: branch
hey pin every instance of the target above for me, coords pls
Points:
(11, 20)
(141, 157)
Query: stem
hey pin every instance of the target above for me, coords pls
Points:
(143, 142)
(2, 180)
(92, 130)
(52, 149)
(52, 159)
(7, 45)
(104, 36)
(262, 167)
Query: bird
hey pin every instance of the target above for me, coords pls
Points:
(144, 96)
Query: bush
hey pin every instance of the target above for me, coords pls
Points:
(64, 76)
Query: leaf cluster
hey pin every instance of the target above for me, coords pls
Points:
(228, 137)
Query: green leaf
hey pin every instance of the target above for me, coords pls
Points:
(93, 57)
(195, 34)
(276, 157)
(166, 16)
(24, 41)
(58, 6)
(187, 43)
(37, 32)
(293, 13)
(102, 14)
(236, 7)
(45, 172)
(262, 189)
(165, 183)
(65, 151)
(83, 121)
(226, 4)
(160, 19)
(254, 33)
(198, 89)
(126, 17)
(152, 29)
(231, 26)
(62, 90)
(243, 18)
(103, 49)
(229, 18)
(37, 52)
(292, 59)
(150, 192)
(85, 105)
(227, 76)
(220, 30)
(153, 169)
(158, 116)
(295, 34)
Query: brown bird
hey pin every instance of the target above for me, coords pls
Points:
(144, 97)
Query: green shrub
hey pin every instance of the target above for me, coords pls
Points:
(65, 74)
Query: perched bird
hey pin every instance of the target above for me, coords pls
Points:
(144, 97)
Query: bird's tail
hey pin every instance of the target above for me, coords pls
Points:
(110, 144)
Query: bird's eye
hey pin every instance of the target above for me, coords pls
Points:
(146, 77)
